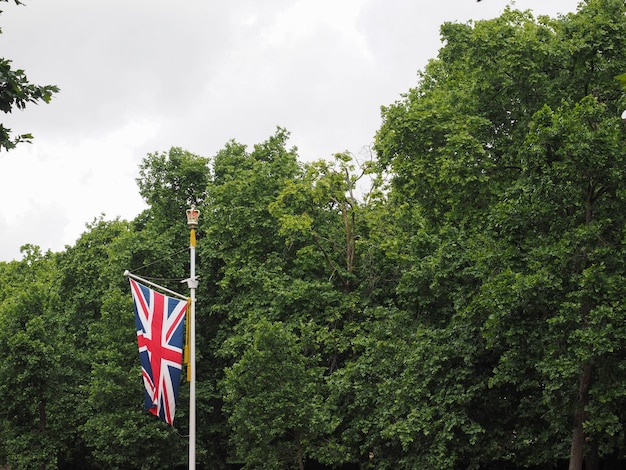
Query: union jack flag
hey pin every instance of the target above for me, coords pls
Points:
(160, 330)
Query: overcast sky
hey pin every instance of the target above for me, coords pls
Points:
(141, 76)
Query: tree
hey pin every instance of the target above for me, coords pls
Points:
(152, 245)
(289, 243)
(275, 401)
(88, 271)
(34, 428)
(243, 257)
(170, 182)
(15, 93)
(512, 150)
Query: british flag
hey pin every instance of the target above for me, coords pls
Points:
(160, 330)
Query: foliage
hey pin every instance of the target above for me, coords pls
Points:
(512, 149)
(463, 311)
(31, 372)
(275, 401)
(15, 93)
(172, 181)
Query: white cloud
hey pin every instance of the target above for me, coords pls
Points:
(305, 18)
(61, 185)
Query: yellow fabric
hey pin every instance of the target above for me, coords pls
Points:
(186, 352)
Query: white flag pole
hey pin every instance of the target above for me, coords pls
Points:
(192, 282)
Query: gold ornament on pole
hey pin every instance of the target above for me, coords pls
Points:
(192, 217)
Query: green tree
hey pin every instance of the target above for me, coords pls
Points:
(241, 256)
(15, 93)
(512, 152)
(99, 314)
(170, 182)
(275, 401)
(153, 245)
(33, 425)
(286, 240)
(242, 244)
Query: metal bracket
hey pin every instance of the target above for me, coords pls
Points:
(191, 283)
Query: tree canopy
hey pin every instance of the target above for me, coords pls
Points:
(454, 303)
(512, 148)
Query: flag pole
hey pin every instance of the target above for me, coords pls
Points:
(192, 222)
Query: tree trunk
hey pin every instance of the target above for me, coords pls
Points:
(577, 454)
(592, 461)
(42, 424)
(300, 456)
